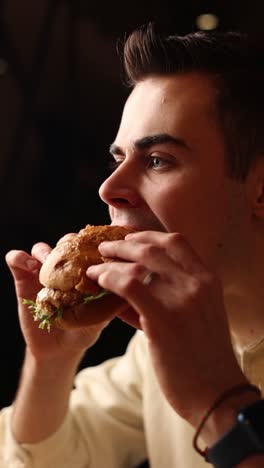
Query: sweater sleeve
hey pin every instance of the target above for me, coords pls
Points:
(103, 426)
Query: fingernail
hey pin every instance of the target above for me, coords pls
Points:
(91, 273)
(32, 265)
(103, 246)
(128, 236)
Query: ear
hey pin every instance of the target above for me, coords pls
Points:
(259, 204)
(256, 189)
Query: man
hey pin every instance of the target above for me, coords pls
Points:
(189, 175)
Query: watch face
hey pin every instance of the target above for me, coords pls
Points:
(253, 416)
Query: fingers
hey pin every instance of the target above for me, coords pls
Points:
(25, 271)
(18, 260)
(153, 258)
(178, 268)
(122, 279)
(40, 251)
(104, 274)
(175, 245)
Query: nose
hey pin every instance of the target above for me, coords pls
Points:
(121, 188)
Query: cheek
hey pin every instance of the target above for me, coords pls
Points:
(171, 202)
(195, 211)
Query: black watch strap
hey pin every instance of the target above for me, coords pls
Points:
(232, 448)
(246, 438)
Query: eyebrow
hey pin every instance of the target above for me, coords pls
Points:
(148, 141)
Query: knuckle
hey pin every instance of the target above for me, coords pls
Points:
(148, 251)
(208, 280)
(136, 270)
(195, 288)
(104, 278)
(199, 286)
(174, 239)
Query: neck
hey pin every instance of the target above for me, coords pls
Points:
(245, 310)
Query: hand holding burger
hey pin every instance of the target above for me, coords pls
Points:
(69, 299)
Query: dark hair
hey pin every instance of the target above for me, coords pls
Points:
(236, 65)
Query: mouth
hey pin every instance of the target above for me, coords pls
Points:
(129, 225)
(140, 227)
(138, 218)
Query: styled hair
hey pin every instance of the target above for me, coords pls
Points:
(236, 64)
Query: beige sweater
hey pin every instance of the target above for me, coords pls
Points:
(117, 418)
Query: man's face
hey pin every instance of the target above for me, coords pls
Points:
(171, 172)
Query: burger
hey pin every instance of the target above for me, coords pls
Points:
(69, 299)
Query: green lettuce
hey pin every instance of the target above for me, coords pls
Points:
(40, 315)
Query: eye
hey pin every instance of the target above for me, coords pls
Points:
(157, 162)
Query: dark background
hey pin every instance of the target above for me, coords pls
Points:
(60, 105)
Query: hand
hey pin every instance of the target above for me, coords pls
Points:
(41, 344)
(182, 314)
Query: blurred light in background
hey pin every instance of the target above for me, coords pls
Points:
(207, 22)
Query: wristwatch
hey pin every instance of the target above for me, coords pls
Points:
(244, 439)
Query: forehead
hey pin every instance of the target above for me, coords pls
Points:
(181, 104)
